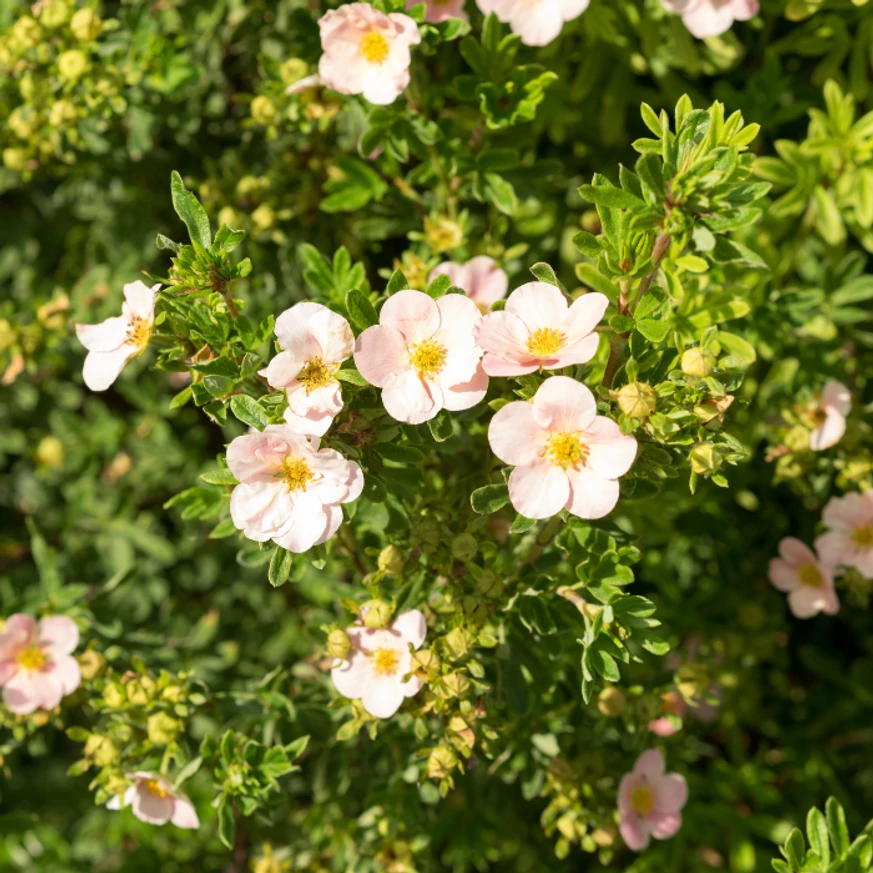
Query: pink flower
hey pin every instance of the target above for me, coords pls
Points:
(113, 342)
(153, 800)
(849, 542)
(366, 52)
(423, 356)
(808, 581)
(674, 705)
(440, 10)
(650, 801)
(378, 665)
(314, 342)
(481, 278)
(565, 455)
(537, 23)
(830, 416)
(538, 330)
(711, 17)
(36, 667)
(290, 490)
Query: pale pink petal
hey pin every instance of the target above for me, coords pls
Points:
(292, 329)
(7, 670)
(580, 352)
(515, 436)
(101, 369)
(806, 601)
(20, 695)
(672, 793)
(412, 313)
(334, 516)
(410, 399)
(350, 677)
(459, 319)
(67, 672)
(651, 765)
(834, 548)
(152, 809)
(837, 397)
(538, 305)
(591, 495)
(634, 832)
(20, 628)
(663, 727)
(663, 827)
(610, 452)
(503, 334)
(140, 299)
(707, 19)
(283, 369)
(334, 335)
(796, 552)
(47, 688)
(585, 313)
(498, 367)
(783, 575)
(184, 814)
(465, 395)
(538, 490)
(538, 25)
(563, 405)
(103, 337)
(745, 9)
(382, 697)
(308, 523)
(381, 354)
(261, 509)
(58, 634)
(411, 626)
(828, 433)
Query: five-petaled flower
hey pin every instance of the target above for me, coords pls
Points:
(650, 801)
(807, 579)
(482, 279)
(538, 331)
(565, 455)
(538, 22)
(290, 490)
(314, 342)
(366, 52)
(829, 416)
(113, 342)
(705, 18)
(37, 669)
(377, 670)
(849, 542)
(423, 356)
(153, 799)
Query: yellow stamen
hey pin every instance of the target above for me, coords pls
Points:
(810, 575)
(643, 800)
(428, 357)
(565, 450)
(863, 536)
(545, 341)
(315, 374)
(31, 659)
(374, 47)
(153, 786)
(139, 332)
(385, 662)
(295, 473)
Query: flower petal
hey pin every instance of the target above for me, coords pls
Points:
(152, 809)
(515, 435)
(538, 490)
(411, 626)
(67, 672)
(584, 314)
(184, 814)
(103, 337)
(412, 313)
(538, 304)
(465, 395)
(410, 399)
(610, 452)
(58, 634)
(383, 697)
(650, 764)
(672, 791)
(140, 299)
(563, 405)
(783, 575)
(837, 397)
(591, 495)
(381, 354)
(796, 552)
(101, 369)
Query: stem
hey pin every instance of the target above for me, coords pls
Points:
(543, 540)
(349, 544)
(231, 306)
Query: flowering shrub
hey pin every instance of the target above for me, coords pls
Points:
(478, 473)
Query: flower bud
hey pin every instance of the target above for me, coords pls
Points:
(705, 459)
(54, 13)
(26, 32)
(163, 729)
(293, 70)
(86, 25)
(464, 546)
(116, 785)
(648, 707)
(263, 110)
(426, 663)
(101, 750)
(636, 399)
(141, 690)
(174, 693)
(72, 64)
(376, 613)
(442, 234)
(114, 695)
(604, 837)
(20, 122)
(263, 218)
(338, 644)
(441, 762)
(611, 702)
(15, 159)
(50, 453)
(62, 112)
(697, 362)
(391, 560)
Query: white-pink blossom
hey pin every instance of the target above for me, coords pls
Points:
(440, 10)
(830, 413)
(153, 800)
(113, 342)
(538, 331)
(314, 341)
(482, 279)
(377, 669)
(705, 18)
(565, 455)
(849, 542)
(650, 801)
(808, 581)
(37, 669)
(537, 22)
(366, 51)
(423, 355)
(290, 490)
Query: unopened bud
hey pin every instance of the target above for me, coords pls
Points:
(72, 64)
(464, 546)
(263, 110)
(338, 644)
(636, 399)
(114, 695)
(101, 750)
(604, 837)
(293, 70)
(174, 693)
(705, 459)
(697, 362)
(86, 25)
(50, 453)
(263, 218)
(20, 122)
(91, 664)
(442, 234)
(54, 13)
(376, 613)
(391, 560)
(163, 729)
(141, 690)
(15, 159)
(611, 702)
(27, 32)
(426, 663)
(441, 762)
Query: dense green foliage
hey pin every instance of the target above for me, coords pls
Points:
(731, 217)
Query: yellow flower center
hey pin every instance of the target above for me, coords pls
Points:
(643, 800)
(545, 341)
(374, 47)
(315, 374)
(295, 473)
(809, 575)
(153, 786)
(31, 659)
(385, 661)
(428, 357)
(565, 450)
(139, 332)
(863, 536)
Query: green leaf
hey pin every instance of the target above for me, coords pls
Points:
(226, 826)
(522, 524)
(837, 826)
(544, 273)
(441, 427)
(489, 499)
(828, 221)
(188, 771)
(227, 239)
(588, 244)
(729, 251)
(362, 313)
(352, 376)
(614, 198)
(181, 398)
(219, 476)
(500, 193)
(188, 208)
(817, 834)
(652, 330)
(248, 411)
(741, 354)
(165, 243)
(438, 287)
(280, 566)
(795, 849)
(399, 454)
(397, 282)
(44, 558)
(605, 665)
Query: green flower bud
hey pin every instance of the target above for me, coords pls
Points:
(72, 64)
(15, 159)
(61, 112)
(174, 693)
(442, 233)
(21, 122)
(163, 729)
(391, 560)
(636, 399)
(263, 218)
(698, 362)
(116, 785)
(464, 546)
(141, 690)
(50, 453)
(293, 70)
(648, 707)
(441, 762)
(86, 25)
(54, 13)
(229, 216)
(376, 613)
(705, 459)
(338, 644)
(101, 750)
(27, 32)
(91, 663)
(611, 702)
(263, 110)
(114, 695)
